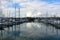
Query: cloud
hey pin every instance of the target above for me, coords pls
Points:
(30, 6)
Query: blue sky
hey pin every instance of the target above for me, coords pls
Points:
(16, 5)
(51, 1)
(47, 1)
(27, 7)
(19, 6)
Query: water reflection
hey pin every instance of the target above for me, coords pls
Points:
(30, 31)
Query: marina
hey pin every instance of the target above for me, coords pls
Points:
(17, 21)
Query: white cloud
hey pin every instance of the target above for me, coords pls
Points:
(31, 6)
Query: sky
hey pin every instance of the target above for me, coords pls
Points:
(30, 8)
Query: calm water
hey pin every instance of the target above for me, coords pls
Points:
(30, 31)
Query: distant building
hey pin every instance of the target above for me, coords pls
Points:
(1, 13)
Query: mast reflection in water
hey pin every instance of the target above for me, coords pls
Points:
(30, 31)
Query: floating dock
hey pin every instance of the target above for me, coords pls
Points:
(55, 24)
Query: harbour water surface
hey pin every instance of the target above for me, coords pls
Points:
(30, 31)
